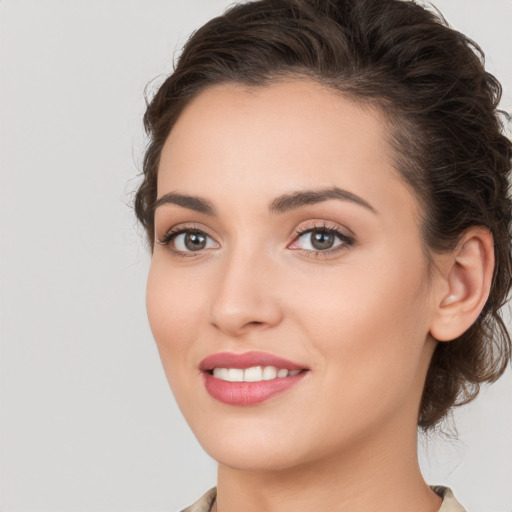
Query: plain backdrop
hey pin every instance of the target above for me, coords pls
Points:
(87, 420)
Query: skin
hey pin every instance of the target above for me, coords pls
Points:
(344, 438)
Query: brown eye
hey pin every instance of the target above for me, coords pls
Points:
(188, 240)
(322, 240)
(195, 241)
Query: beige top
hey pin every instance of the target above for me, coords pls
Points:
(450, 504)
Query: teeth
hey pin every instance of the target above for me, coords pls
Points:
(269, 372)
(253, 374)
(221, 373)
(235, 375)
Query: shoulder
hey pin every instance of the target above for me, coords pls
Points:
(204, 503)
(450, 504)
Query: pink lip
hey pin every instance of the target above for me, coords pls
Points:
(247, 393)
(247, 360)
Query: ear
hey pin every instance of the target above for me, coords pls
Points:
(465, 281)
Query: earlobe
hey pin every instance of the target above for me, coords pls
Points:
(467, 278)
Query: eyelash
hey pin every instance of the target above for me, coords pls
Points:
(346, 240)
(173, 233)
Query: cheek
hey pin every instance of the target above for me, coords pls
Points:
(368, 322)
(174, 311)
(357, 295)
(370, 355)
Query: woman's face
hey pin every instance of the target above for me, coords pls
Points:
(287, 241)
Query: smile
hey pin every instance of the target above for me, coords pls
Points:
(249, 378)
(253, 374)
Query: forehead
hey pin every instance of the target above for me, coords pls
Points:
(268, 140)
(291, 112)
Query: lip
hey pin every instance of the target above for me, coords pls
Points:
(247, 360)
(247, 393)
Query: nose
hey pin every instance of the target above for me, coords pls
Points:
(244, 298)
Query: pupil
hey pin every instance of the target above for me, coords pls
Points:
(322, 240)
(195, 241)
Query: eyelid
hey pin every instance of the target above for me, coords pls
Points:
(171, 234)
(181, 227)
(345, 235)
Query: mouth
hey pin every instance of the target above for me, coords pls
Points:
(249, 378)
(252, 374)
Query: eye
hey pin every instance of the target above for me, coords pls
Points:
(186, 240)
(321, 239)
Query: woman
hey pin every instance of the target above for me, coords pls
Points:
(325, 196)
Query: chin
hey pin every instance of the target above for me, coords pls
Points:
(253, 458)
(247, 447)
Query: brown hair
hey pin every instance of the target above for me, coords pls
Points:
(430, 82)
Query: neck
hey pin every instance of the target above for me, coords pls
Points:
(376, 475)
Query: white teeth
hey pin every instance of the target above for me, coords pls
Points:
(221, 373)
(235, 375)
(253, 374)
(269, 372)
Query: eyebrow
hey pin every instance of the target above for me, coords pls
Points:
(281, 204)
(195, 203)
(301, 198)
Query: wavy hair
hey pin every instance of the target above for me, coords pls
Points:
(446, 131)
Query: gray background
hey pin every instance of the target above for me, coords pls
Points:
(87, 420)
